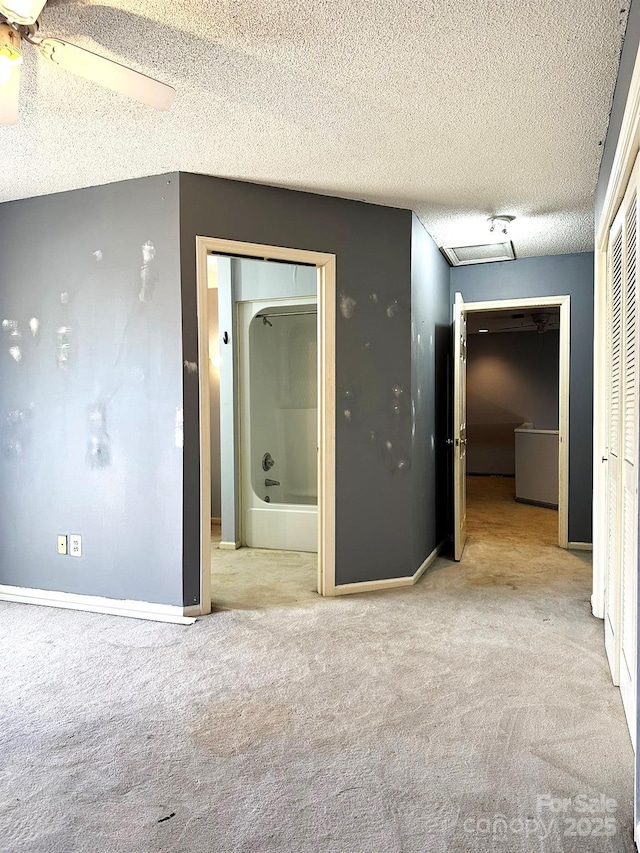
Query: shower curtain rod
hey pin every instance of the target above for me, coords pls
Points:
(286, 313)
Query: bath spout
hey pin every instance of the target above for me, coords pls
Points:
(269, 482)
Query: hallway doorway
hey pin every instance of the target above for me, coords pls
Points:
(506, 427)
(512, 424)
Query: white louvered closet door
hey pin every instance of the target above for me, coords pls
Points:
(629, 457)
(623, 353)
(614, 376)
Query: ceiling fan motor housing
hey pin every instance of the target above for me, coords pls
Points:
(10, 43)
(541, 319)
(22, 12)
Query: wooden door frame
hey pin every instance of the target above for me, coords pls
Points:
(326, 269)
(459, 443)
(564, 303)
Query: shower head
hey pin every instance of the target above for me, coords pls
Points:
(266, 322)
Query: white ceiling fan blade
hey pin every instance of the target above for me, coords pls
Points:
(9, 95)
(108, 73)
(22, 11)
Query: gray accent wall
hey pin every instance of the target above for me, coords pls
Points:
(376, 464)
(91, 391)
(99, 384)
(553, 275)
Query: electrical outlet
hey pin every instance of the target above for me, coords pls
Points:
(75, 545)
(62, 544)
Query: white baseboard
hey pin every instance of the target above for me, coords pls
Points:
(580, 546)
(389, 583)
(636, 835)
(428, 562)
(596, 609)
(229, 546)
(97, 604)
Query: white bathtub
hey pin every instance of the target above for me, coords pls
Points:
(287, 527)
(279, 418)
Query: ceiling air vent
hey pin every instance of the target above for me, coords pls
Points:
(459, 256)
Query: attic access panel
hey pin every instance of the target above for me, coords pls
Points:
(485, 253)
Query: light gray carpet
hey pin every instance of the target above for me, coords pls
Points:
(401, 722)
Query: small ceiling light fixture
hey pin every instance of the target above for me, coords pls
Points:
(501, 223)
(482, 331)
(10, 52)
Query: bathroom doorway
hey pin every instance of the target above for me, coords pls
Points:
(275, 390)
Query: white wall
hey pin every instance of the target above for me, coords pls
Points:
(283, 366)
(512, 377)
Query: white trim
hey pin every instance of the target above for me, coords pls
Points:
(599, 432)
(433, 556)
(327, 425)
(459, 424)
(97, 604)
(564, 303)
(326, 266)
(580, 546)
(509, 304)
(229, 546)
(563, 421)
(204, 402)
(389, 583)
(373, 586)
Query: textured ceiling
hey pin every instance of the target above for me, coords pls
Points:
(455, 108)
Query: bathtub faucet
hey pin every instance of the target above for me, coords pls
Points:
(267, 462)
(269, 482)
